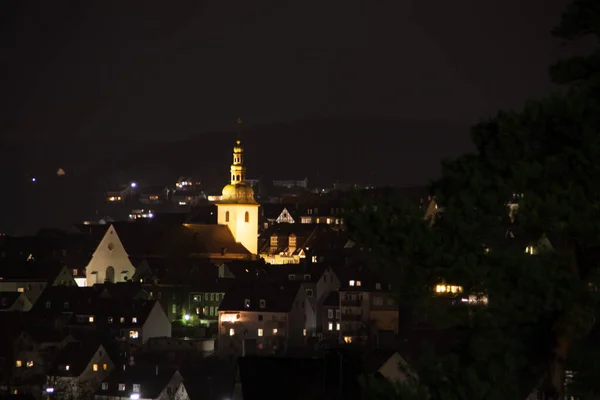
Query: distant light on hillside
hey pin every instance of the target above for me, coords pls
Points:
(33, 179)
(60, 172)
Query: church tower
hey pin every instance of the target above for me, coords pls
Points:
(237, 208)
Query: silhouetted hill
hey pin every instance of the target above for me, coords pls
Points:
(367, 151)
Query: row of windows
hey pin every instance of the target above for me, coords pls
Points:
(209, 296)
(80, 318)
(330, 313)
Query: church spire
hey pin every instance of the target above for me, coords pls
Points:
(238, 171)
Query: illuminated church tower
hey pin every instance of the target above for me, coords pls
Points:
(238, 209)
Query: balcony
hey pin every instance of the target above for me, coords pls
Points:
(351, 303)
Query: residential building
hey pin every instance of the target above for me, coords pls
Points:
(77, 370)
(366, 307)
(262, 317)
(147, 382)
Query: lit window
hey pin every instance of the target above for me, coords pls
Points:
(263, 303)
(122, 320)
(303, 332)
(378, 286)
(337, 326)
(274, 331)
(136, 387)
(174, 308)
(104, 386)
(110, 320)
(134, 320)
(331, 326)
(95, 367)
(231, 332)
(351, 283)
(348, 339)
(247, 303)
(29, 364)
(260, 332)
(67, 367)
(19, 363)
(91, 319)
(121, 387)
(105, 367)
(21, 290)
(133, 334)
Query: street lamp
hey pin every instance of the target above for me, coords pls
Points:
(134, 396)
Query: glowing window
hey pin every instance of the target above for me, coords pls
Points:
(351, 283)
(91, 319)
(133, 334)
(337, 326)
(231, 332)
(274, 331)
(260, 332)
(29, 364)
(95, 367)
(19, 363)
(331, 326)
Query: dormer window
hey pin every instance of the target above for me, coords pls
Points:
(263, 303)
(351, 283)
(247, 303)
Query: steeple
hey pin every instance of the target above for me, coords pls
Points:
(238, 171)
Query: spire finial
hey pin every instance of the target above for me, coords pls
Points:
(239, 131)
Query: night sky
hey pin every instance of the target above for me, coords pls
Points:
(137, 72)
(165, 70)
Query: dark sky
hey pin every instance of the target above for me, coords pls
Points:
(168, 69)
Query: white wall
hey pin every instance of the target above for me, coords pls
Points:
(157, 324)
(244, 232)
(110, 253)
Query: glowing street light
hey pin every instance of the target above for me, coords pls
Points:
(186, 317)
(49, 390)
(133, 184)
(134, 396)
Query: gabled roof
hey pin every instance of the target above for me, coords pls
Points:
(277, 298)
(152, 380)
(8, 299)
(77, 355)
(145, 239)
(30, 271)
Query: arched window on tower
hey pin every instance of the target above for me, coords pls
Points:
(233, 177)
(247, 217)
(226, 216)
(237, 178)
